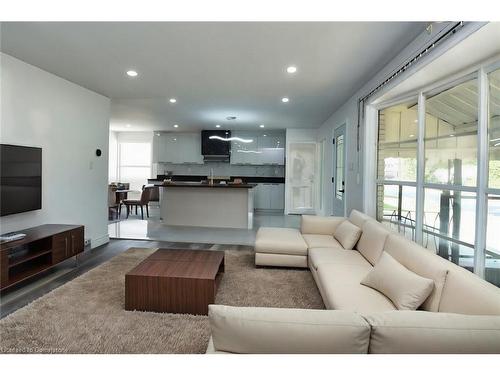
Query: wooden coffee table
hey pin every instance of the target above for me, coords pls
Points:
(175, 281)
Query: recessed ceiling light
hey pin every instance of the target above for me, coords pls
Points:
(132, 73)
(452, 135)
(128, 125)
(176, 126)
(291, 69)
(217, 126)
(265, 135)
(412, 135)
(172, 100)
(285, 100)
(261, 125)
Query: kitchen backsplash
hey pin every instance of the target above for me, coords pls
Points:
(219, 169)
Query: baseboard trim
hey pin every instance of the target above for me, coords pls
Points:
(96, 242)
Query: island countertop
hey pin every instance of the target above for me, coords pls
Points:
(205, 185)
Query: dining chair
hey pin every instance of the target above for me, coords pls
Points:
(141, 202)
(113, 204)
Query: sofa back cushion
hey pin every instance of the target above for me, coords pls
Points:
(347, 234)
(372, 240)
(261, 330)
(466, 293)
(422, 332)
(311, 224)
(404, 288)
(358, 218)
(421, 261)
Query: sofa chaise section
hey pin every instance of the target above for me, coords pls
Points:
(283, 247)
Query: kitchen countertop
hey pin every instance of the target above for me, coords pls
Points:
(206, 185)
(245, 179)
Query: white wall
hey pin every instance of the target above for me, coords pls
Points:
(69, 123)
(113, 157)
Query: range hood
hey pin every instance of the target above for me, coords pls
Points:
(215, 145)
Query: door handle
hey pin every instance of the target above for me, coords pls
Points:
(341, 191)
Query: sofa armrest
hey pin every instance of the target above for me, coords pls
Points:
(311, 224)
(259, 330)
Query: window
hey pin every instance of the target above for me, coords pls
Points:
(397, 167)
(396, 208)
(135, 164)
(449, 224)
(494, 129)
(451, 156)
(492, 253)
(451, 136)
(397, 143)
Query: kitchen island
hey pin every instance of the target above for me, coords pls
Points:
(205, 205)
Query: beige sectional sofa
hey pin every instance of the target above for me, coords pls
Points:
(460, 313)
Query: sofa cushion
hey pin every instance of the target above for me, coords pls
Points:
(404, 288)
(320, 255)
(310, 224)
(420, 332)
(280, 241)
(347, 234)
(466, 293)
(421, 261)
(358, 218)
(372, 240)
(342, 290)
(293, 331)
(321, 240)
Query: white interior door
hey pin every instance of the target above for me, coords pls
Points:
(301, 178)
(338, 180)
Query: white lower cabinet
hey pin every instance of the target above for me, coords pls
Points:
(277, 196)
(269, 196)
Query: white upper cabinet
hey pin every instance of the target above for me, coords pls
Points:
(272, 148)
(265, 148)
(178, 148)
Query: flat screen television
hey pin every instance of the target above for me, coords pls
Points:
(20, 179)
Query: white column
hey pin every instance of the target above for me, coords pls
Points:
(419, 215)
(482, 171)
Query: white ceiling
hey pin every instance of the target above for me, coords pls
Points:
(213, 69)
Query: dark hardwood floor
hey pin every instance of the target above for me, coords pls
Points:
(20, 295)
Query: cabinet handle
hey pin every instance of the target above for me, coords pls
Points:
(72, 245)
(66, 246)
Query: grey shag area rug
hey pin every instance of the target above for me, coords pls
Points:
(86, 315)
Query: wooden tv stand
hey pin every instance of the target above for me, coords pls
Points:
(42, 248)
